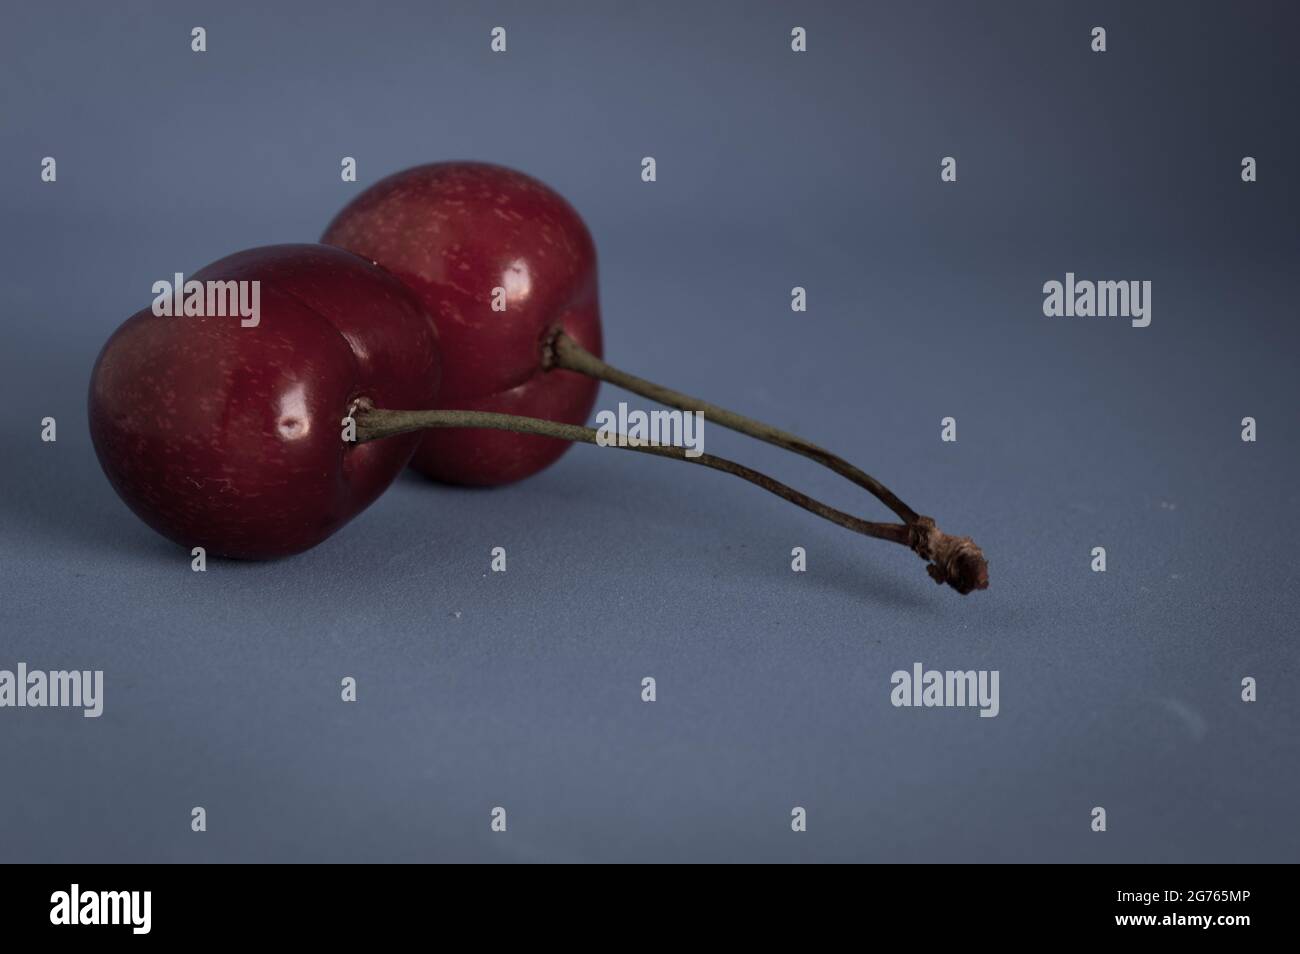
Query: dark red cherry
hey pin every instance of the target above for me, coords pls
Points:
(231, 437)
(453, 232)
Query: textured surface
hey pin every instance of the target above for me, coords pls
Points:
(522, 690)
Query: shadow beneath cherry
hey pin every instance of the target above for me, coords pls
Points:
(57, 497)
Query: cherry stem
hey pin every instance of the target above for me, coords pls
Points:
(562, 351)
(954, 560)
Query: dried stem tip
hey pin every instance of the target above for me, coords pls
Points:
(956, 561)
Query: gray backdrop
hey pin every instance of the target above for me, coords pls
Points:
(522, 690)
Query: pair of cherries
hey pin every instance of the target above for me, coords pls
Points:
(231, 437)
(462, 286)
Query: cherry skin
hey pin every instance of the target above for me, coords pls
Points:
(230, 438)
(453, 232)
